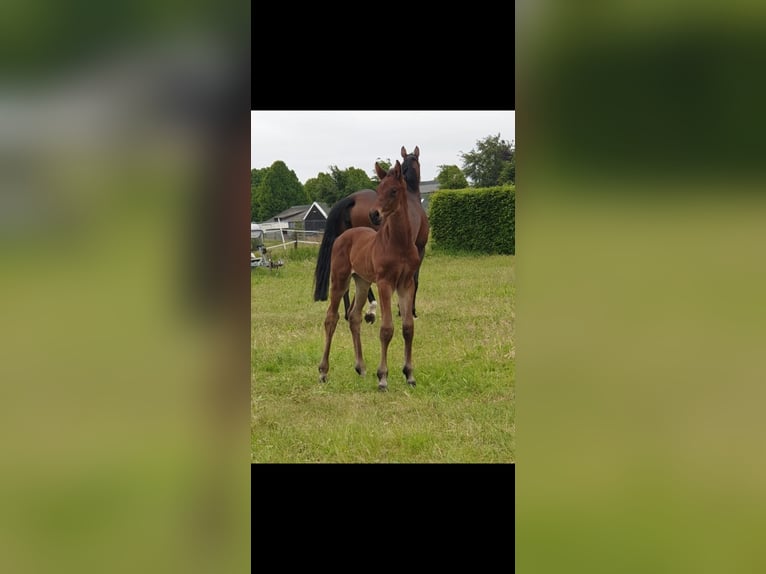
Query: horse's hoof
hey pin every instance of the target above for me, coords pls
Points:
(370, 318)
(408, 375)
(359, 371)
(382, 388)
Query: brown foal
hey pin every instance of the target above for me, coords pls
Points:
(388, 257)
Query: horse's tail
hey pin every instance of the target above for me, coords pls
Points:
(334, 226)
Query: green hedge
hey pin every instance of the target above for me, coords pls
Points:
(478, 219)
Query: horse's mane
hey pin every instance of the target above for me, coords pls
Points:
(411, 175)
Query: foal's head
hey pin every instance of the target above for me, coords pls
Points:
(391, 192)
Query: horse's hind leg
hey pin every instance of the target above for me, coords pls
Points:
(355, 322)
(421, 254)
(414, 293)
(369, 316)
(330, 322)
(406, 296)
(346, 305)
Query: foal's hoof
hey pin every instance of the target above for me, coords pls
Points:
(408, 373)
(369, 318)
(382, 388)
(361, 371)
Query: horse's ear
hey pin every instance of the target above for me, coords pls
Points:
(404, 152)
(416, 152)
(380, 171)
(398, 169)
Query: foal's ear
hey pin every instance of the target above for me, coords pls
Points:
(380, 171)
(398, 170)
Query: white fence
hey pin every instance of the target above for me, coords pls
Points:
(292, 237)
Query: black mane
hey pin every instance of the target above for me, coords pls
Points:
(411, 175)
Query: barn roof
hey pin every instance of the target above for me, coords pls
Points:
(299, 212)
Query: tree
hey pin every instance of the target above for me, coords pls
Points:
(322, 188)
(329, 188)
(347, 181)
(256, 176)
(357, 179)
(485, 166)
(450, 177)
(508, 173)
(278, 189)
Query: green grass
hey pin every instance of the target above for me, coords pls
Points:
(462, 409)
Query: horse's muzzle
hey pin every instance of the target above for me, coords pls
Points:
(375, 217)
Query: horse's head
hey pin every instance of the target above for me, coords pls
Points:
(411, 169)
(391, 193)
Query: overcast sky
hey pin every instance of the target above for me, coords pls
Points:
(309, 142)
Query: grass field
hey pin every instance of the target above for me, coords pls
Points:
(462, 409)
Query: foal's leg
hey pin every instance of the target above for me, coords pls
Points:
(421, 254)
(339, 286)
(355, 322)
(415, 292)
(346, 305)
(369, 316)
(386, 332)
(406, 296)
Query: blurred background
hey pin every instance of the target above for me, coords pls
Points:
(124, 151)
(641, 322)
(640, 279)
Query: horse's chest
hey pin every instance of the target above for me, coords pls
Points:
(397, 267)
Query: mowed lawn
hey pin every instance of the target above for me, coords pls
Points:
(462, 409)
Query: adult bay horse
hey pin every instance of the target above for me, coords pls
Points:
(388, 257)
(353, 211)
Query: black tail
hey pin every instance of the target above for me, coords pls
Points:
(334, 226)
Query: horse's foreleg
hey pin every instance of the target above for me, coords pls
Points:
(406, 296)
(386, 333)
(355, 322)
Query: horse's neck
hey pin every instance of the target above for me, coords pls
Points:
(397, 228)
(414, 189)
